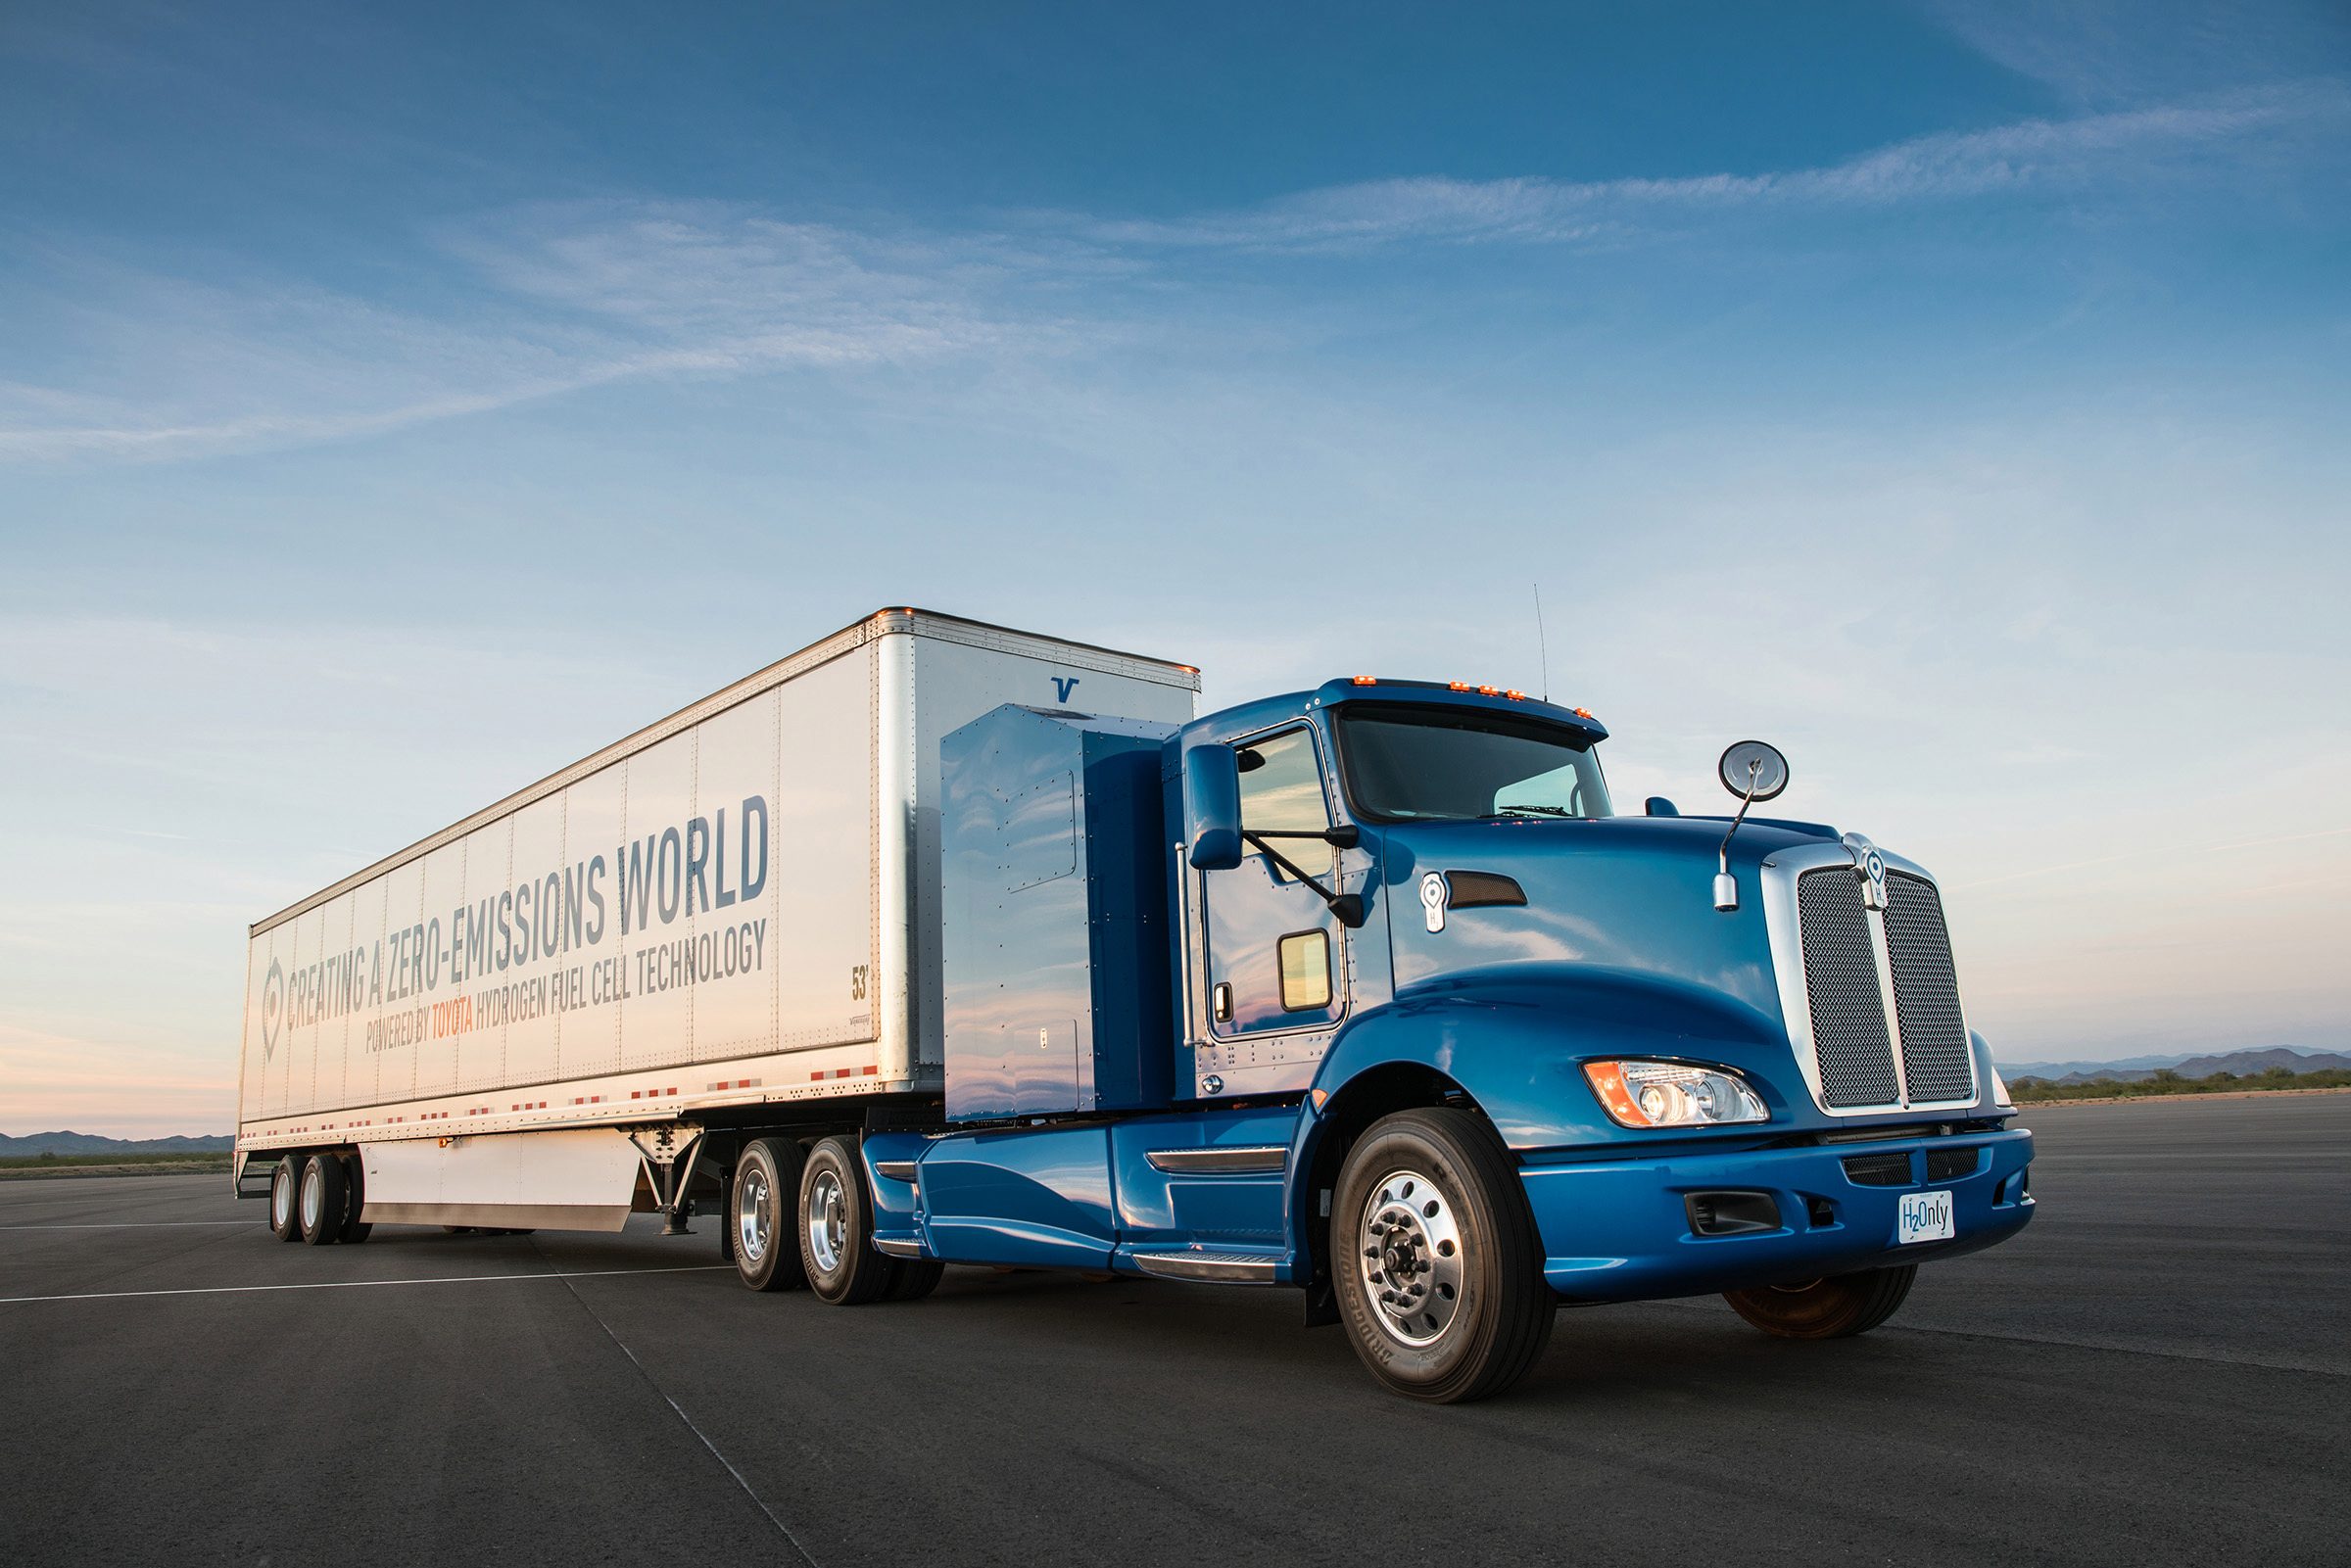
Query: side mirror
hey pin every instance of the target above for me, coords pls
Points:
(1753, 770)
(1212, 807)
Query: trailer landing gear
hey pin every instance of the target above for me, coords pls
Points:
(669, 1165)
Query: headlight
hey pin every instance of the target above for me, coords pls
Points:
(1999, 1091)
(1671, 1094)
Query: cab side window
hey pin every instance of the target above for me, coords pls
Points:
(1282, 791)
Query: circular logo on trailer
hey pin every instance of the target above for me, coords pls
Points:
(273, 1008)
(1433, 893)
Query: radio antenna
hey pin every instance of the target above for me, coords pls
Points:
(1542, 644)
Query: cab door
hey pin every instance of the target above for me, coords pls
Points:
(1275, 954)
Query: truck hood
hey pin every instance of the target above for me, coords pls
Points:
(1628, 896)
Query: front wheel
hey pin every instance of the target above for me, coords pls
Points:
(1832, 1309)
(1435, 1259)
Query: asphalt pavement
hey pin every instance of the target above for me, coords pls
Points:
(2157, 1370)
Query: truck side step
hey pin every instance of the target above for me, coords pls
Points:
(1224, 1268)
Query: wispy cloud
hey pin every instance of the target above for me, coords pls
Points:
(560, 299)
(555, 298)
(2108, 53)
(2025, 155)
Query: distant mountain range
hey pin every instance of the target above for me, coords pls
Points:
(2132, 1069)
(89, 1143)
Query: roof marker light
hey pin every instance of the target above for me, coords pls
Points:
(1515, 696)
(1366, 680)
(1459, 685)
(1583, 713)
(1489, 691)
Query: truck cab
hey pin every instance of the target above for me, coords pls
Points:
(1369, 992)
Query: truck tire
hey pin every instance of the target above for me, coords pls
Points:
(1832, 1309)
(761, 1202)
(285, 1200)
(1436, 1263)
(837, 1228)
(913, 1278)
(354, 1198)
(321, 1200)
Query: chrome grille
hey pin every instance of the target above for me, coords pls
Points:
(1936, 1061)
(1840, 982)
(1870, 996)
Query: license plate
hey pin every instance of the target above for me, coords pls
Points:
(1924, 1216)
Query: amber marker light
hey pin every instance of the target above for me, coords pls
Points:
(1583, 713)
(1608, 1081)
(1366, 680)
(1515, 696)
(1459, 685)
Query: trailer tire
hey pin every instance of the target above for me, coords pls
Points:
(355, 1191)
(321, 1200)
(913, 1278)
(1435, 1259)
(285, 1200)
(1833, 1308)
(763, 1202)
(837, 1228)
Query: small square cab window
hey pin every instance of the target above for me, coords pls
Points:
(1305, 971)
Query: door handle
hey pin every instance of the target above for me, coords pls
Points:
(1222, 1001)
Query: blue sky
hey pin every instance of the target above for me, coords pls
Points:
(395, 406)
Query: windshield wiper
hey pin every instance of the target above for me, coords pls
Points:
(1532, 811)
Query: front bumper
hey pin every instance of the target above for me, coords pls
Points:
(1621, 1230)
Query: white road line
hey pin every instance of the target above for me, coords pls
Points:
(354, 1284)
(132, 1224)
(757, 1501)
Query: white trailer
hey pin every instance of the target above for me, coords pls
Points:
(529, 1017)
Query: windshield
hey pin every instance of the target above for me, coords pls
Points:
(1455, 764)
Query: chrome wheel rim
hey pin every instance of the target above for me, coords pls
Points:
(281, 1199)
(828, 1220)
(1408, 1250)
(314, 1196)
(754, 1214)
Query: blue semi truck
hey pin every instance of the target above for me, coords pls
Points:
(1366, 990)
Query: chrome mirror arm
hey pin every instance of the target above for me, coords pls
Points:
(1726, 886)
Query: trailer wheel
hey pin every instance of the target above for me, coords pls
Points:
(913, 1278)
(285, 1208)
(354, 1189)
(761, 1202)
(1437, 1267)
(321, 1200)
(1833, 1308)
(837, 1228)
